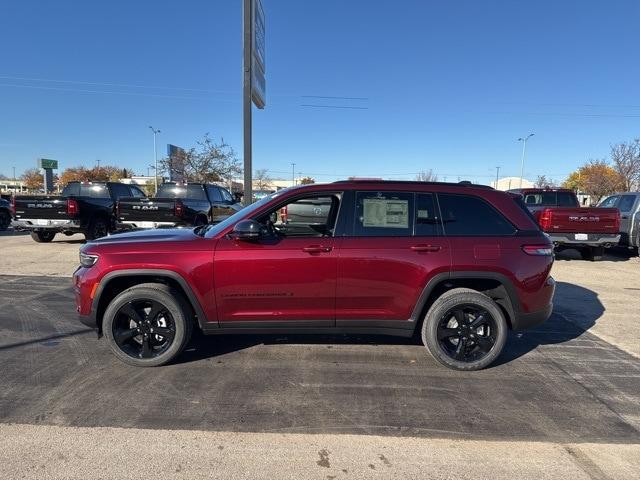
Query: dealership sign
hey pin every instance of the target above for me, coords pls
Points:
(258, 83)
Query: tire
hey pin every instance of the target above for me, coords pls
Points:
(444, 331)
(5, 220)
(42, 236)
(98, 227)
(593, 254)
(173, 311)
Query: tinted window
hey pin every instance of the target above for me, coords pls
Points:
(609, 202)
(567, 199)
(136, 192)
(192, 192)
(120, 190)
(226, 196)
(214, 194)
(71, 189)
(465, 215)
(427, 222)
(383, 214)
(94, 190)
(626, 203)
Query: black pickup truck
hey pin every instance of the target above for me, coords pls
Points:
(83, 207)
(178, 205)
(5, 214)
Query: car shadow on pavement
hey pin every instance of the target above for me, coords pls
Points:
(611, 255)
(576, 310)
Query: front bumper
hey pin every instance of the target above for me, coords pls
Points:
(40, 224)
(128, 225)
(593, 239)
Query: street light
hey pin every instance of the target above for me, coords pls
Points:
(293, 174)
(155, 155)
(524, 151)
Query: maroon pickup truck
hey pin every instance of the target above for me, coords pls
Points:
(588, 230)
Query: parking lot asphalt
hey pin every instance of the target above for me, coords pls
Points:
(556, 383)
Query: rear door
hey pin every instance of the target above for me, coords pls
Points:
(220, 206)
(626, 205)
(393, 245)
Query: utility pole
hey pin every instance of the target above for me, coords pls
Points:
(524, 151)
(155, 155)
(98, 162)
(247, 11)
(497, 176)
(14, 174)
(293, 174)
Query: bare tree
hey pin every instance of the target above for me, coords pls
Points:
(426, 176)
(210, 161)
(307, 181)
(543, 182)
(626, 161)
(262, 179)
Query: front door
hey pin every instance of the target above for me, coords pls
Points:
(287, 278)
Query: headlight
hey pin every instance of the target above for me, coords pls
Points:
(87, 260)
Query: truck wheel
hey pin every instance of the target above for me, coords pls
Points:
(5, 220)
(147, 325)
(464, 330)
(42, 237)
(593, 254)
(97, 228)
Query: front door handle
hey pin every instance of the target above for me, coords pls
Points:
(317, 249)
(426, 248)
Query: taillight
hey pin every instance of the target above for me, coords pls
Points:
(283, 214)
(72, 207)
(12, 207)
(539, 250)
(178, 209)
(545, 219)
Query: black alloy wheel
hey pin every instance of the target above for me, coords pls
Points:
(467, 333)
(143, 329)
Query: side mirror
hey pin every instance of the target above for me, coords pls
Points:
(248, 230)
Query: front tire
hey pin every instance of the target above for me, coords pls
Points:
(147, 325)
(42, 236)
(464, 330)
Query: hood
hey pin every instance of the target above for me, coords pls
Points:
(151, 235)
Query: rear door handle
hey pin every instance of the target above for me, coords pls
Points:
(426, 248)
(317, 249)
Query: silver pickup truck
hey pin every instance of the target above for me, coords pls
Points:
(629, 205)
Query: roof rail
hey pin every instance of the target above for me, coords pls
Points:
(463, 183)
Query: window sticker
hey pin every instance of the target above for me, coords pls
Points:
(384, 213)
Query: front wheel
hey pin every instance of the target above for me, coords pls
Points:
(42, 236)
(147, 325)
(464, 330)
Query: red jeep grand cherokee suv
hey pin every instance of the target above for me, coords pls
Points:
(461, 264)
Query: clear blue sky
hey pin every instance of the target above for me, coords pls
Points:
(448, 85)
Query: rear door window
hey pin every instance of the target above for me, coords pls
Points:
(384, 214)
(136, 192)
(470, 216)
(195, 192)
(214, 194)
(427, 223)
(626, 203)
(609, 202)
(120, 190)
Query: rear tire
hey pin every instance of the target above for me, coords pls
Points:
(5, 220)
(43, 237)
(464, 330)
(97, 228)
(151, 309)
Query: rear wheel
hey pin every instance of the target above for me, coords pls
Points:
(5, 220)
(147, 325)
(97, 228)
(464, 330)
(42, 236)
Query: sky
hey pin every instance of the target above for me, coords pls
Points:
(408, 85)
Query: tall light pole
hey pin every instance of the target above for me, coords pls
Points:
(497, 175)
(155, 155)
(524, 151)
(293, 174)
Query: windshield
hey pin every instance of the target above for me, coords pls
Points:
(209, 231)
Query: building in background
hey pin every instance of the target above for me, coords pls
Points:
(509, 183)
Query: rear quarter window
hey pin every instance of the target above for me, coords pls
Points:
(470, 216)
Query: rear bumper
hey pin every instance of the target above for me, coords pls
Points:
(524, 321)
(593, 239)
(125, 225)
(58, 225)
